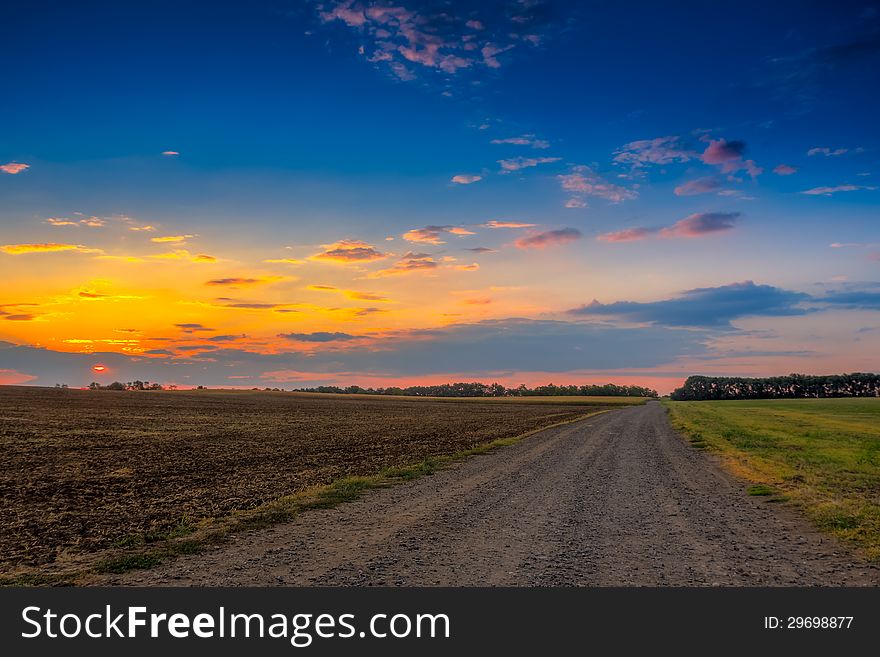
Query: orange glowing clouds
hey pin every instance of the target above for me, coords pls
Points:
(13, 168)
(347, 252)
(410, 263)
(99, 369)
(284, 261)
(90, 222)
(349, 294)
(466, 179)
(432, 234)
(183, 254)
(175, 239)
(46, 247)
(508, 224)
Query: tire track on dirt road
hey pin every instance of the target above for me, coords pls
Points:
(616, 499)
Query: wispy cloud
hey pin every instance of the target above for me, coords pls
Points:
(699, 186)
(661, 150)
(695, 225)
(318, 336)
(548, 238)
(170, 153)
(173, 239)
(406, 40)
(284, 261)
(433, 234)
(828, 191)
(242, 282)
(183, 254)
(410, 263)
(517, 163)
(46, 247)
(481, 249)
(628, 235)
(827, 152)
(193, 327)
(89, 222)
(784, 170)
(582, 180)
(466, 178)
(507, 224)
(13, 168)
(355, 295)
(702, 223)
(524, 140)
(347, 252)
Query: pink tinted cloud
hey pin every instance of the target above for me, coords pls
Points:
(466, 178)
(14, 377)
(548, 238)
(396, 36)
(628, 235)
(702, 223)
(720, 151)
(698, 186)
(347, 12)
(784, 170)
(13, 168)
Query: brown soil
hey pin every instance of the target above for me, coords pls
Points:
(83, 470)
(618, 499)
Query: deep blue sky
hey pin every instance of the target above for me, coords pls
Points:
(304, 124)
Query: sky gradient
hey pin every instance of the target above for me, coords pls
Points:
(382, 193)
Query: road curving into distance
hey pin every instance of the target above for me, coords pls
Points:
(617, 499)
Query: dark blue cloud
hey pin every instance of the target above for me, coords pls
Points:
(852, 299)
(706, 307)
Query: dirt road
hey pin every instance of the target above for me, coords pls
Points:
(618, 499)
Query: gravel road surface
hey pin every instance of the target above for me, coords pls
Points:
(617, 499)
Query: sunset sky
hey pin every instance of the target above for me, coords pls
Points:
(281, 193)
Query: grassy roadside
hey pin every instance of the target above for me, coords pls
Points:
(821, 455)
(142, 552)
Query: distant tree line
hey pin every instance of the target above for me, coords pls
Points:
(792, 386)
(492, 390)
(131, 385)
